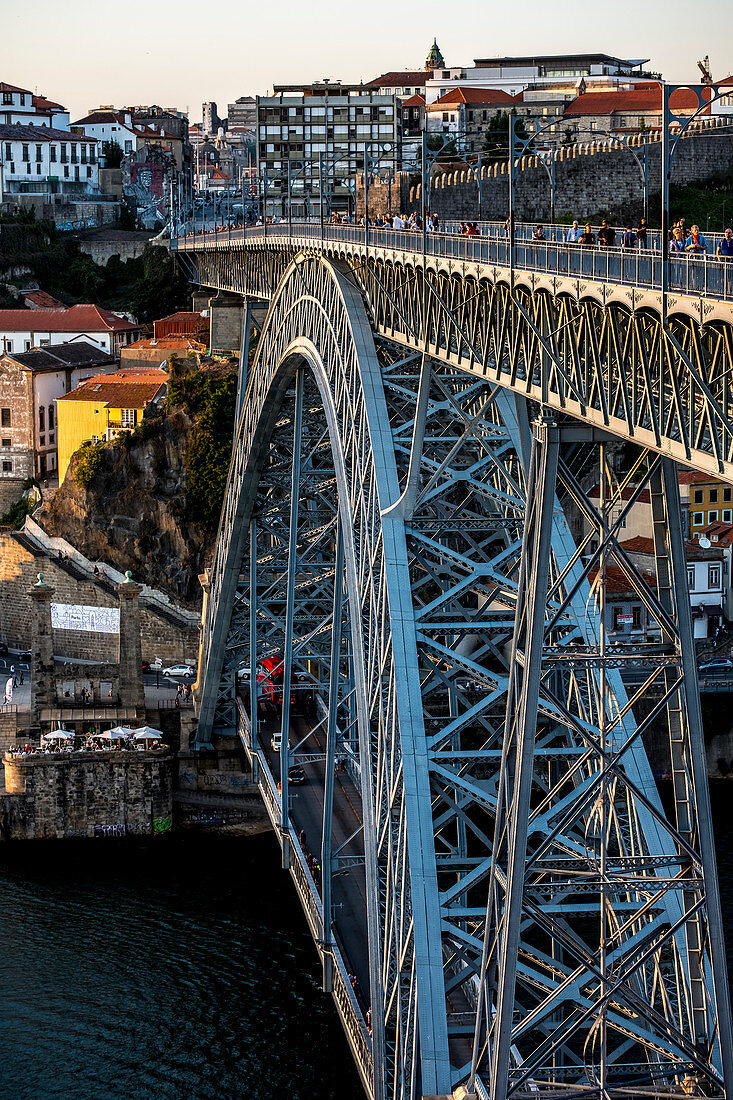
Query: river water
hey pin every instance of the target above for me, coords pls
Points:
(175, 968)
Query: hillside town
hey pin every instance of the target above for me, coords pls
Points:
(366, 513)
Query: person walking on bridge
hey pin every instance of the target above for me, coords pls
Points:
(606, 235)
(677, 244)
(588, 237)
(696, 243)
(574, 234)
(725, 248)
(630, 239)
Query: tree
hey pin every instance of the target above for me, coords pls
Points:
(112, 154)
(161, 289)
(496, 135)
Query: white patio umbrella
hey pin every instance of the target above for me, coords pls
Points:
(58, 735)
(147, 733)
(117, 732)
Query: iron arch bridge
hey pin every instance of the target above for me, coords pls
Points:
(408, 606)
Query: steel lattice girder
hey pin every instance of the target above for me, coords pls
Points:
(430, 475)
(611, 363)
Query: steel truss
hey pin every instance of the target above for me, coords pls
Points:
(535, 923)
(605, 355)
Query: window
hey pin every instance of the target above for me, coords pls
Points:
(42, 440)
(5, 421)
(89, 173)
(697, 519)
(128, 418)
(51, 418)
(128, 147)
(697, 496)
(637, 623)
(39, 152)
(691, 579)
(7, 99)
(8, 151)
(42, 418)
(7, 466)
(727, 496)
(713, 516)
(52, 154)
(38, 169)
(713, 576)
(26, 152)
(713, 496)
(6, 443)
(727, 515)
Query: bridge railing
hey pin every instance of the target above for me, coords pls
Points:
(689, 274)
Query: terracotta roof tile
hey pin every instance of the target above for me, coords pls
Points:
(124, 390)
(18, 132)
(80, 318)
(617, 581)
(643, 97)
(401, 79)
(41, 299)
(473, 95)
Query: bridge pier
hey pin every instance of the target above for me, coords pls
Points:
(225, 323)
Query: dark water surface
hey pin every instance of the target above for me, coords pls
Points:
(180, 967)
(176, 968)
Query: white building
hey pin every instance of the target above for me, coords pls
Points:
(515, 74)
(23, 329)
(708, 579)
(107, 124)
(23, 106)
(328, 124)
(42, 160)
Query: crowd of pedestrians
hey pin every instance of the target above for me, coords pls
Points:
(633, 237)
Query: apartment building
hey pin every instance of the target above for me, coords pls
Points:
(316, 136)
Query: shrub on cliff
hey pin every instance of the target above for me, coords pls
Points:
(209, 397)
(89, 464)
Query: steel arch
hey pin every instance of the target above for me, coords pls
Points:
(432, 465)
(318, 298)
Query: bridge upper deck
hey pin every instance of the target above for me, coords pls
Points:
(695, 276)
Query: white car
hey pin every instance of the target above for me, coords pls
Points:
(185, 672)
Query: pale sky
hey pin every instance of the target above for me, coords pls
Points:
(86, 52)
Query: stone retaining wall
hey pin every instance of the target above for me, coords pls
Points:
(87, 794)
(589, 177)
(160, 637)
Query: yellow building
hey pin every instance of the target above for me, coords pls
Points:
(103, 406)
(709, 502)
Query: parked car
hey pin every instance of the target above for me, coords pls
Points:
(185, 672)
(720, 664)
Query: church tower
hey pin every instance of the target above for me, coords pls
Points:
(434, 60)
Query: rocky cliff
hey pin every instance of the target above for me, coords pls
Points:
(135, 514)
